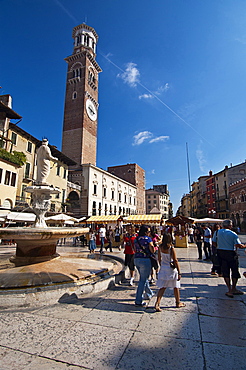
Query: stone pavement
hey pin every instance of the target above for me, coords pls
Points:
(106, 331)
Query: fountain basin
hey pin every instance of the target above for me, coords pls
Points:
(34, 245)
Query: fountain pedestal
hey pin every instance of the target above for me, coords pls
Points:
(38, 243)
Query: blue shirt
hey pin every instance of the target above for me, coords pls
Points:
(226, 239)
(143, 251)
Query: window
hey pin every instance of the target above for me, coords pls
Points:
(58, 170)
(52, 207)
(125, 198)
(7, 177)
(100, 209)
(63, 195)
(94, 209)
(13, 179)
(27, 170)
(112, 194)
(29, 147)
(14, 138)
(104, 192)
(119, 197)
(1, 173)
(95, 189)
(105, 209)
(65, 173)
(115, 210)
(74, 95)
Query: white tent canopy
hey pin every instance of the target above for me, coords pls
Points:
(61, 217)
(208, 220)
(21, 217)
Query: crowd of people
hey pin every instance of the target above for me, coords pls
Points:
(154, 256)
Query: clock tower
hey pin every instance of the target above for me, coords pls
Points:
(79, 140)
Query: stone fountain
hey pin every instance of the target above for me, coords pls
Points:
(38, 243)
(40, 274)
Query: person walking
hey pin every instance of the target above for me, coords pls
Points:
(198, 234)
(92, 241)
(102, 235)
(227, 243)
(109, 236)
(156, 240)
(129, 252)
(168, 277)
(143, 246)
(216, 268)
(207, 237)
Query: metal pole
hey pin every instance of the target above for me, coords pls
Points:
(188, 168)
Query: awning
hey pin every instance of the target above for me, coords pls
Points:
(180, 220)
(105, 218)
(208, 220)
(144, 218)
(21, 217)
(61, 217)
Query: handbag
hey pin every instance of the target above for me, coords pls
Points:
(152, 257)
(172, 264)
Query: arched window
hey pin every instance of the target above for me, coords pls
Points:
(74, 95)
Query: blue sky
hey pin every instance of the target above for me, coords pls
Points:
(173, 73)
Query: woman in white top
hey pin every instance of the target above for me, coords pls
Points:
(168, 277)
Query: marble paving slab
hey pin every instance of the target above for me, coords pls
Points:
(221, 357)
(90, 346)
(147, 351)
(10, 359)
(230, 308)
(115, 315)
(178, 324)
(223, 330)
(30, 333)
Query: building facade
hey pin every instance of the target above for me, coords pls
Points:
(102, 193)
(14, 177)
(237, 196)
(135, 175)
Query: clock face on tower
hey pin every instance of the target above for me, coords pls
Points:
(91, 110)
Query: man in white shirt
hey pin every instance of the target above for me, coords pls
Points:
(207, 237)
(102, 235)
(227, 243)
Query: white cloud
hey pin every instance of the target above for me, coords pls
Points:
(201, 159)
(153, 172)
(131, 75)
(159, 138)
(141, 137)
(162, 89)
(147, 136)
(145, 96)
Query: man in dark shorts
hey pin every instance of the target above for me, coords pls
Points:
(227, 242)
(129, 252)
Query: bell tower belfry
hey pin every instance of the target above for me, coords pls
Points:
(79, 139)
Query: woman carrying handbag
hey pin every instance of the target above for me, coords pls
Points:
(143, 246)
(169, 275)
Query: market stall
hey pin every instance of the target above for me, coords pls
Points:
(180, 223)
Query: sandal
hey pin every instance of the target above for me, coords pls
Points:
(230, 295)
(238, 292)
(180, 304)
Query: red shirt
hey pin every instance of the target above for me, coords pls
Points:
(129, 243)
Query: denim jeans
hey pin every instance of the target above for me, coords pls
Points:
(144, 268)
(102, 243)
